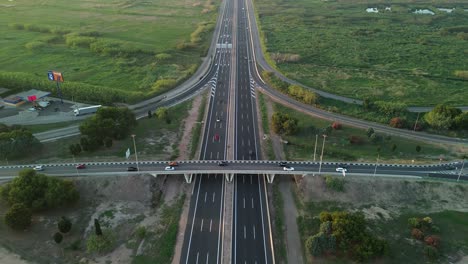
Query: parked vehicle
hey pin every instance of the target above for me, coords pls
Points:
(173, 163)
(43, 104)
(86, 110)
(81, 166)
(169, 168)
(39, 168)
(132, 169)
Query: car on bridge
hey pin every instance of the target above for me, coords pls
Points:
(169, 168)
(222, 163)
(288, 168)
(39, 168)
(173, 163)
(81, 166)
(132, 169)
(283, 164)
(340, 169)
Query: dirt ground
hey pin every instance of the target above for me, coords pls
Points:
(388, 197)
(120, 203)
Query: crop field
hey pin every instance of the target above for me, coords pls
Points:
(136, 48)
(395, 54)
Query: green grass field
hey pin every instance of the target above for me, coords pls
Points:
(301, 145)
(112, 44)
(392, 55)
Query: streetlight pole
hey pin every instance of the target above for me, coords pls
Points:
(375, 170)
(459, 174)
(416, 123)
(321, 155)
(315, 149)
(136, 155)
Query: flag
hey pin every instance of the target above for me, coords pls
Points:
(127, 154)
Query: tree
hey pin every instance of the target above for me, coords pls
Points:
(162, 113)
(75, 149)
(336, 125)
(84, 143)
(367, 104)
(108, 142)
(325, 216)
(370, 132)
(97, 227)
(394, 146)
(58, 238)
(64, 225)
(18, 217)
(442, 117)
(417, 234)
(461, 121)
(283, 124)
(432, 241)
(397, 122)
(431, 252)
(16, 141)
(418, 148)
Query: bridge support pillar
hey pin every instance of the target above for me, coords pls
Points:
(188, 177)
(229, 177)
(154, 175)
(270, 177)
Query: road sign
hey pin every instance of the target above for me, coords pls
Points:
(50, 75)
(55, 76)
(127, 154)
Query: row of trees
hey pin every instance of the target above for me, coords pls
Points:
(16, 142)
(31, 192)
(345, 232)
(423, 229)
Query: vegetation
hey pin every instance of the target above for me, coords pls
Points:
(18, 217)
(196, 130)
(444, 117)
(58, 237)
(280, 229)
(334, 183)
(283, 124)
(64, 225)
(107, 124)
(340, 48)
(38, 191)
(100, 243)
(264, 113)
(17, 141)
(345, 232)
(101, 62)
(350, 143)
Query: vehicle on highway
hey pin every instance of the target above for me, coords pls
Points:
(340, 169)
(173, 163)
(86, 110)
(169, 168)
(81, 166)
(222, 163)
(449, 167)
(216, 137)
(287, 168)
(283, 164)
(132, 169)
(218, 119)
(39, 168)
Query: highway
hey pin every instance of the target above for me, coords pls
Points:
(203, 239)
(251, 233)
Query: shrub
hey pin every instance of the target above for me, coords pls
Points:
(325, 216)
(417, 234)
(355, 140)
(397, 122)
(334, 183)
(58, 237)
(140, 232)
(431, 252)
(163, 85)
(163, 57)
(73, 40)
(336, 125)
(35, 45)
(462, 74)
(100, 244)
(64, 225)
(432, 241)
(17, 26)
(18, 217)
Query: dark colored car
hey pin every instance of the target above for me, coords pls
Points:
(132, 169)
(282, 164)
(222, 163)
(81, 166)
(449, 167)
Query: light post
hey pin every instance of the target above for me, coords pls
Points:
(459, 174)
(315, 148)
(375, 170)
(416, 123)
(321, 155)
(136, 155)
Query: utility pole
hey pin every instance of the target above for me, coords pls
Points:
(315, 148)
(416, 123)
(321, 155)
(375, 170)
(459, 173)
(136, 155)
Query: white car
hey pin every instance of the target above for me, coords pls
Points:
(341, 169)
(39, 168)
(287, 168)
(169, 168)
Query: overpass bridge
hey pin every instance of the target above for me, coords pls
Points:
(268, 168)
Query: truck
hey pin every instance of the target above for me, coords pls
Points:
(86, 110)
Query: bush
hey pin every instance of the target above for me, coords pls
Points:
(100, 244)
(334, 183)
(397, 122)
(64, 225)
(58, 238)
(163, 85)
(431, 252)
(283, 124)
(73, 40)
(35, 45)
(336, 125)
(355, 140)
(417, 234)
(432, 241)
(140, 232)
(18, 217)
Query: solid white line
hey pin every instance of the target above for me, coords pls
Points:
(263, 224)
(193, 222)
(244, 202)
(221, 227)
(243, 178)
(197, 256)
(217, 155)
(252, 203)
(206, 193)
(207, 257)
(254, 231)
(245, 233)
(251, 181)
(193, 187)
(201, 225)
(211, 222)
(214, 194)
(235, 220)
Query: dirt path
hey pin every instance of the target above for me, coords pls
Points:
(293, 241)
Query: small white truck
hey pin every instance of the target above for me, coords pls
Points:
(86, 110)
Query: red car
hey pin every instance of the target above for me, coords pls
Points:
(81, 166)
(216, 137)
